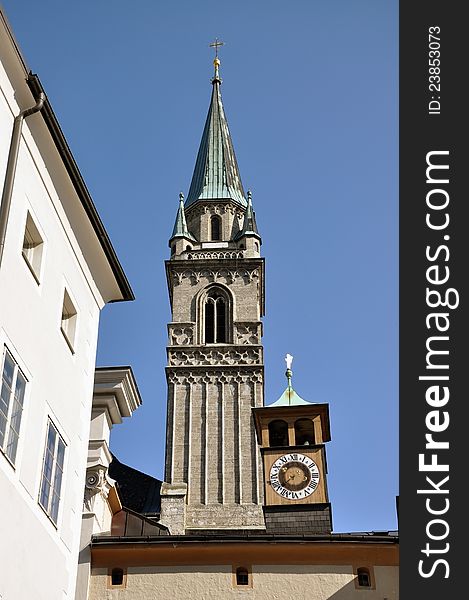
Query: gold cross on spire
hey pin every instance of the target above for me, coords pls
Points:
(215, 45)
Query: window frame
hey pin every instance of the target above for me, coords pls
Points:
(113, 586)
(218, 308)
(33, 247)
(69, 320)
(229, 310)
(242, 586)
(48, 506)
(371, 576)
(11, 419)
(218, 233)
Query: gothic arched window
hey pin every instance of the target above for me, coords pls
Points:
(215, 228)
(216, 312)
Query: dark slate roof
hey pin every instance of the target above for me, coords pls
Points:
(137, 491)
(258, 535)
(216, 173)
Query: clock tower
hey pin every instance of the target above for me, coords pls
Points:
(292, 434)
(215, 372)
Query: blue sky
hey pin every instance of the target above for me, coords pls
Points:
(310, 90)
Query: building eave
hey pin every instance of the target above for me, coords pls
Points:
(115, 388)
(251, 548)
(252, 538)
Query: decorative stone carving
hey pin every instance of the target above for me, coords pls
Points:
(181, 334)
(247, 333)
(217, 209)
(178, 275)
(213, 208)
(96, 482)
(247, 375)
(214, 254)
(214, 356)
(226, 276)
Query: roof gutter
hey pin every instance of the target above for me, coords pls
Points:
(107, 540)
(11, 167)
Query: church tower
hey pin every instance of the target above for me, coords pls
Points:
(215, 372)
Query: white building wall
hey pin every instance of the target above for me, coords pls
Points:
(38, 559)
(268, 582)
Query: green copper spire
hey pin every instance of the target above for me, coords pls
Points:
(249, 224)
(289, 396)
(180, 225)
(216, 173)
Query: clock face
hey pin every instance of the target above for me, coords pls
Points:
(294, 476)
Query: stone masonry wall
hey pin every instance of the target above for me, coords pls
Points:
(212, 446)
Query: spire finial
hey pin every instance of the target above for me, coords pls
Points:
(216, 62)
(250, 201)
(181, 197)
(288, 373)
